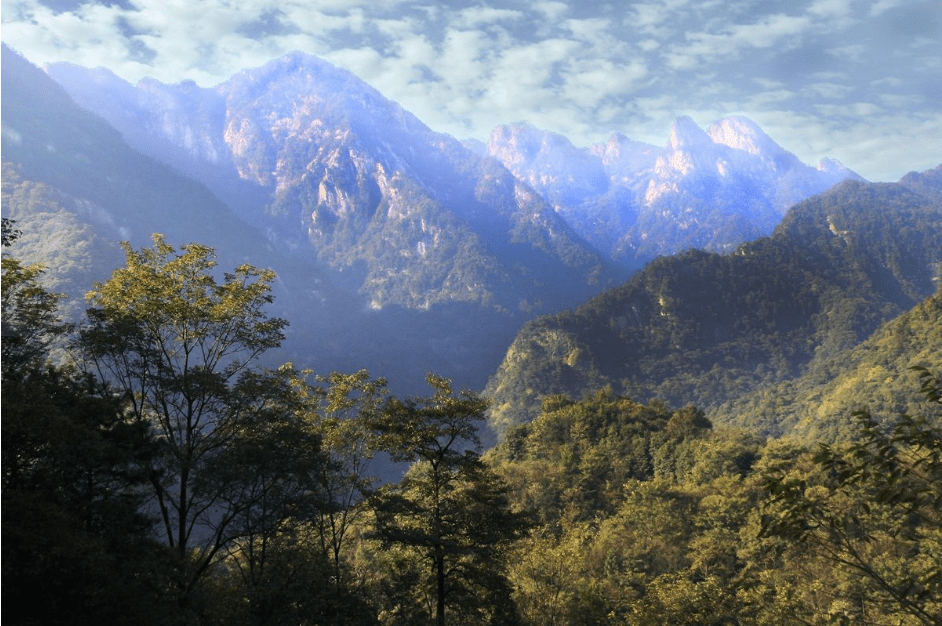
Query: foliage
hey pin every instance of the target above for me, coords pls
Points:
(450, 510)
(30, 316)
(77, 544)
(875, 375)
(201, 488)
(9, 232)
(874, 509)
(346, 407)
(180, 346)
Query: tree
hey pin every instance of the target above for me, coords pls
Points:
(450, 508)
(77, 547)
(30, 316)
(874, 509)
(279, 566)
(182, 348)
(8, 232)
(345, 408)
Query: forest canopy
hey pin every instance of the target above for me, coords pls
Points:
(160, 474)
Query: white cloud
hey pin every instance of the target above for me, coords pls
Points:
(831, 91)
(589, 83)
(830, 8)
(480, 16)
(618, 67)
(552, 11)
(882, 6)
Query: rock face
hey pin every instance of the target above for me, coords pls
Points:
(327, 166)
(709, 189)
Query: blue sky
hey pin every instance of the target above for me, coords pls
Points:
(859, 81)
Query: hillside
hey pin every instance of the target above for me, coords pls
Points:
(703, 328)
(875, 375)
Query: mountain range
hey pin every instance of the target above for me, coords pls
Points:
(721, 330)
(318, 147)
(404, 250)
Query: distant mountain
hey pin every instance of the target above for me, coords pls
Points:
(397, 248)
(334, 170)
(75, 188)
(706, 328)
(711, 190)
(308, 152)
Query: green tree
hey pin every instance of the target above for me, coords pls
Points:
(77, 547)
(450, 508)
(874, 509)
(182, 347)
(8, 232)
(346, 406)
(31, 320)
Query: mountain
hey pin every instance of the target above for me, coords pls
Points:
(397, 249)
(308, 152)
(875, 375)
(709, 189)
(75, 189)
(335, 171)
(705, 328)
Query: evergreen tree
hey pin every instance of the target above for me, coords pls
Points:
(450, 509)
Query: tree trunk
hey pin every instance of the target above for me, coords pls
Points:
(440, 576)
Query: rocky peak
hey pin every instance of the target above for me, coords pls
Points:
(741, 133)
(687, 136)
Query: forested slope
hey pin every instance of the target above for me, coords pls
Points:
(875, 375)
(705, 328)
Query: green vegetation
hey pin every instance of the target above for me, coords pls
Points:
(708, 329)
(653, 517)
(161, 474)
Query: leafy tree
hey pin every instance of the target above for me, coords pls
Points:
(450, 509)
(77, 547)
(874, 510)
(8, 232)
(181, 346)
(346, 406)
(30, 316)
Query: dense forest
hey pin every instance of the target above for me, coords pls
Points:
(722, 331)
(154, 472)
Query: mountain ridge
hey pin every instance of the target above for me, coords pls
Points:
(629, 200)
(336, 161)
(704, 328)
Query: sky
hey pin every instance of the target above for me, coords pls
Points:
(855, 80)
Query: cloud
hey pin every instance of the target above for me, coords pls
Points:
(581, 69)
(552, 11)
(477, 17)
(830, 8)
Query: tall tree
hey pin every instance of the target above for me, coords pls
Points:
(76, 546)
(183, 347)
(450, 508)
(346, 406)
